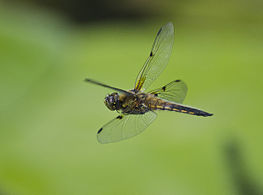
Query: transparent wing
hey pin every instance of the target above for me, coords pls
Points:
(174, 91)
(158, 59)
(125, 126)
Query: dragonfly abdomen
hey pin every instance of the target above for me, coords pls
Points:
(163, 105)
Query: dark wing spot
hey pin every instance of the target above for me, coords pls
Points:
(156, 94)
(164, 88)
(151, 54)
(119, 117)
(159, 31)
(99, 130)
(177, 80)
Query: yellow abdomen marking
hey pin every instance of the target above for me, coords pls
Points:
(159, 107)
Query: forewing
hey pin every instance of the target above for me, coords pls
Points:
(174, 91)
(124, 127)
(158, 59)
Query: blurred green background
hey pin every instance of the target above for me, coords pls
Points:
(49, 117)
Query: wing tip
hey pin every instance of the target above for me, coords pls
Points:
(170, 24)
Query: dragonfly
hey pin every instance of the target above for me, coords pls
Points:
(136, 107)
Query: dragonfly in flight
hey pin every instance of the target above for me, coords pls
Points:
(137, 107)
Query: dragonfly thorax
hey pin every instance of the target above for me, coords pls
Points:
(112, 101)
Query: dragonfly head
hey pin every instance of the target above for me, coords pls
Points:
(112, 101)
